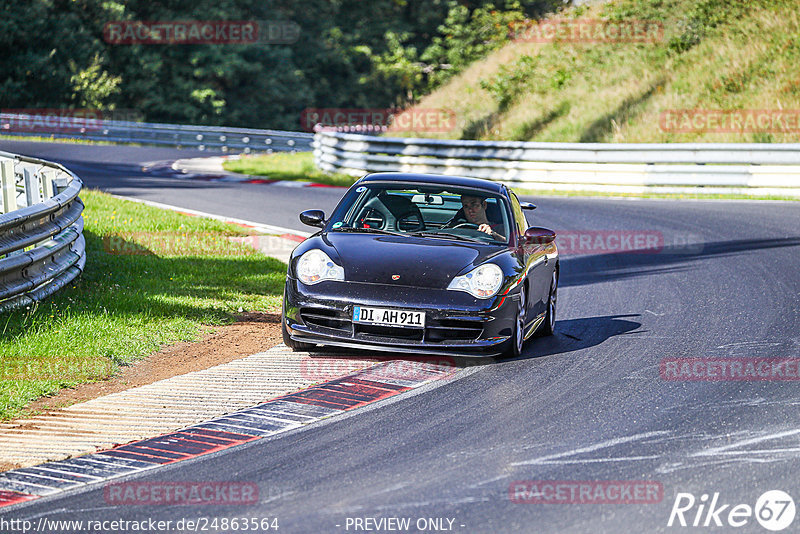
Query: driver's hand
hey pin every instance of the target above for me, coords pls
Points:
(485, 228)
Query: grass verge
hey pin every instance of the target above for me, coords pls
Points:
(153, 277)
(287, 166)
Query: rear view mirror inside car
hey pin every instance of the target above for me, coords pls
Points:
(427, 199)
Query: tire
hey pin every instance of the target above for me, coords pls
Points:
(549, 323)
(517, 341)
(296, 346)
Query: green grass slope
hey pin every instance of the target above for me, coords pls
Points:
(713, 55)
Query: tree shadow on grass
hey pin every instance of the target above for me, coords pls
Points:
(480, 127)
(599, 130)
(531, 128)
(483, 126)
(143, 286)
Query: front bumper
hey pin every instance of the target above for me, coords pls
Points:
(456, 324)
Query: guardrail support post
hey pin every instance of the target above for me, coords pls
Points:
(32, 193)
(8, 182)
(48, 187)
(61, 182)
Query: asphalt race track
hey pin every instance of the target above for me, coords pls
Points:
(588, 404)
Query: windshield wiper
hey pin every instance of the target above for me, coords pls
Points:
(368, 231)
(445, 235)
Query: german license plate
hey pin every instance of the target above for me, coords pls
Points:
(388, 316)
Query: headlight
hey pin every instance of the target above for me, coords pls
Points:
(315, 266)
(482, 282)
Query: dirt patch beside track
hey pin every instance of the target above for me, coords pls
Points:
(253, 332)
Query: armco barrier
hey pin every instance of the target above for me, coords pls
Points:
(569, 165)
(232, 140)
(42, 247)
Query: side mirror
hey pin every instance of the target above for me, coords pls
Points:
(527, 206)
(539, 236)
(313, 218)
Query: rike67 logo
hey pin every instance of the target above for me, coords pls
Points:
(774, 510)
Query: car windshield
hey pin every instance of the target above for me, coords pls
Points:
(424, 211)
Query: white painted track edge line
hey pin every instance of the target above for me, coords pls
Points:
(265, 228)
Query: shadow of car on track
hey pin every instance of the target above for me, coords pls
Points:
(571, 335)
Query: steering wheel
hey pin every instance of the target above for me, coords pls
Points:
(468, 225)
(371, 218)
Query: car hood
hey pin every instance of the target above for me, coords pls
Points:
(416, 261)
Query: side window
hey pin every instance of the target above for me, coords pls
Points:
(519, 216)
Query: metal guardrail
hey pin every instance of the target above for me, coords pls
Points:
(568, 165)
(232, 140)
(42, 248)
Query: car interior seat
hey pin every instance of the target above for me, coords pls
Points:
(398, 213)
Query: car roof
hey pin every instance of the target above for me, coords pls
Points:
(461, 181)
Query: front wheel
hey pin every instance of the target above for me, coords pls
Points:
(296, 346)
(517, 340)
(549, 324)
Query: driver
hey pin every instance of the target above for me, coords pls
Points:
(473, 211)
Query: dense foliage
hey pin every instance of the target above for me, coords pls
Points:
(350, 53)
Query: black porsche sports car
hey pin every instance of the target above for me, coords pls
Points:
(422, 264)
